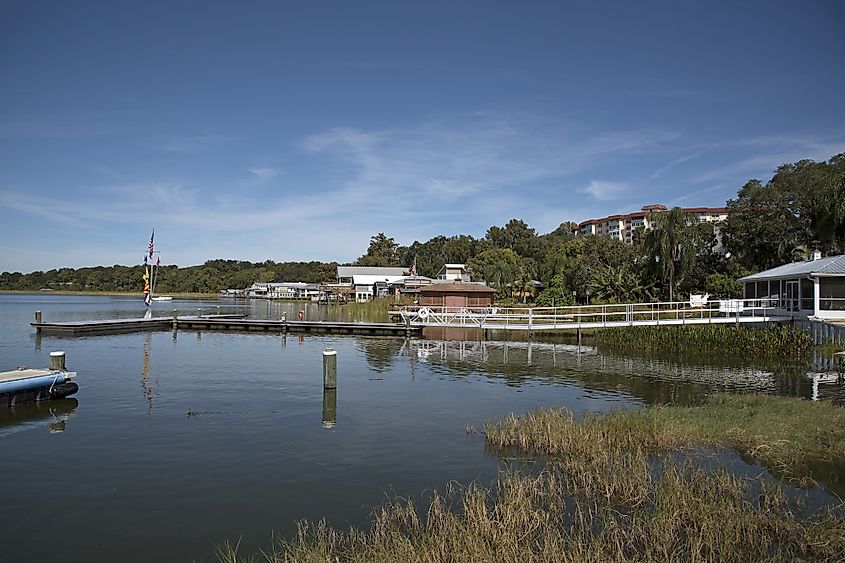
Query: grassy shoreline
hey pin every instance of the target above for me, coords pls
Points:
(773, 342)
(600, 498)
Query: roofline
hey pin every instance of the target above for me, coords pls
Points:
(787, 277)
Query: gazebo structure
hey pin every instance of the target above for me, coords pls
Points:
(812, 288)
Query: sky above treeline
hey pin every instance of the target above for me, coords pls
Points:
(297, 130)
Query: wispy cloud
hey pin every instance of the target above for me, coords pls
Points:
(660, 171)
(605, 191)
(264, 174)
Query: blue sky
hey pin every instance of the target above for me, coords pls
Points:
(296, 130)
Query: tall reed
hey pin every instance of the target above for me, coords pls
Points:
(776, 341)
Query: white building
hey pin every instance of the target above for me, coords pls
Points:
(300, 291)
(453, 272)
(812, 288)
(363, 279)
(622, 227)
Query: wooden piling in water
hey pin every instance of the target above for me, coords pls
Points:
(329, 369)
(57, 361)
(38, 317)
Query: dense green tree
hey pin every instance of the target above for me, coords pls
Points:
(381, 252)
(802, 207)
(500, 267)
(557, 294)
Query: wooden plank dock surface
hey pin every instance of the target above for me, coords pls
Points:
(221, 322)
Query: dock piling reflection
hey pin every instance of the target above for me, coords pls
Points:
(329, 408)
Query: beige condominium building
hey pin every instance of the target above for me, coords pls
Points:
(622, 227)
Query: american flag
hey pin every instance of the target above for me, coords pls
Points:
(152, 244)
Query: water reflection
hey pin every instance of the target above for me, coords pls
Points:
(655, 379)
(149, 385)
(52, 414)
(381, 352)
(329, 408)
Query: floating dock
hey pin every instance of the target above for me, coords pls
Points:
(26, 385)
(221, 322)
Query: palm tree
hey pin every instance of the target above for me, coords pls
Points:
(666, 242)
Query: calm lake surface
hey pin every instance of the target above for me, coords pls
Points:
(120, 472)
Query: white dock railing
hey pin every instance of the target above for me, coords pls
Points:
(596, 316)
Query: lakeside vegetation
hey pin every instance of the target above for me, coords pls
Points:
(801, 207)
(612, 490)
(778, 341)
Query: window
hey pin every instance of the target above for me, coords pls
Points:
(832, 294)
(807, 291)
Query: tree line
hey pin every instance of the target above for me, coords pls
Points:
(801, 208)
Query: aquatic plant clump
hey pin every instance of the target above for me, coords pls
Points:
(776, 341)
(789, 435)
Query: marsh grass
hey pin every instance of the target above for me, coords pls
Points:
(788, 435)
(613, 488)
(370, 311)
(689, 515)
(774, 342)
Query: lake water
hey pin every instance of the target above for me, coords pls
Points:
(121, 472)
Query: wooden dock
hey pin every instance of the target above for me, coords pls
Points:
(233, 323)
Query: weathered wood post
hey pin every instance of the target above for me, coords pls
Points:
(329, 369)
(329, 408)
(38, 317)
(57, 361)
(175, 320)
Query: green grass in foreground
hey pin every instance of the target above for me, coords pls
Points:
(600, 498)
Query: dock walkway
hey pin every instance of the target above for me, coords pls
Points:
(220, 322)
(675, 313)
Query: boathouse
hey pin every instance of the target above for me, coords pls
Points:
(457, 294)
(811, 288)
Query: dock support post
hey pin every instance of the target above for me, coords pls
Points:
(57, 361)
(175, 320)
(329, 369)
(579, 336)
(38, 319)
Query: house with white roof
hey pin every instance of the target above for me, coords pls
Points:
(363, 279)
(811, 288)
(453, 272)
